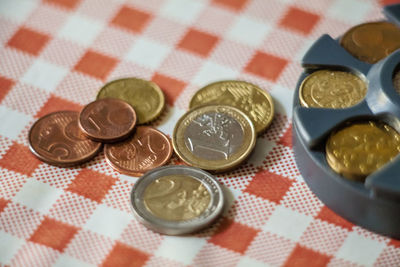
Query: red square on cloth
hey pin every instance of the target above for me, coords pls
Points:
(69, 4)
(29, 41)
(91, 184)
(233, 4)
(299, 20)
(18, 158)
(326, 214)
(5, 86)
(55, 103)
(234, 236)
(3, 203)
(302, 256)
(54, 234)
(268, 185)
(266, 66)
(96, 65)
(171, 87)
(124, 256)
(131, 19)
(198, 42)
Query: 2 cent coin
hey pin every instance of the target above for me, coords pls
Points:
(56, 139)
(107, 120)
(147, 149)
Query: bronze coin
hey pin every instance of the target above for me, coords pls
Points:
(371, 42)
(57, 140)
(107, 120)
(147, 149)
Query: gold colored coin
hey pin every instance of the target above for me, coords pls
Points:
(214, 137)
(176, 198)
(396, 81)
(331, 89)
(249, 98)
(371, 42)
(362, 148)
(144, 96)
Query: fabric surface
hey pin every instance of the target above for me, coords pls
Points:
(56, 55)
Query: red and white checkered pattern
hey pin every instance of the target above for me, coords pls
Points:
(56, 54)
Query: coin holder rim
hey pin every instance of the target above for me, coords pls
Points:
(113, 139)
(217, 163)
(365, 204)
(213, 211)
(157, 88)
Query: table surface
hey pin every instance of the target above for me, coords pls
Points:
(56, 55)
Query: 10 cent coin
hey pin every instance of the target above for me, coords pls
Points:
(177, 199)
(256, 103)
(144, 96)
(215, 137)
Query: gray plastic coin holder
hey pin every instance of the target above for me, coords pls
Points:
(375, 203)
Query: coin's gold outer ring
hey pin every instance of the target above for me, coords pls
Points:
(238, 157)
(342, 170)
(259, 128)
(303, 103)
(156, 113)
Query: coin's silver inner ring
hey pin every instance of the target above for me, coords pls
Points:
(213, 210)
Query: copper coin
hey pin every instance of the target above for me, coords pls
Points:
(107, 120)
(147, 149)
(57, 140)
(371, 42)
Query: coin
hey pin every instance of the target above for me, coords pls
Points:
(56, 139)
(256, 103)
(107, 120)
(215, 137)
(331, 89)
(396, 81)
(371, 42)
(144, 96)
(177, 199)
(360, 149)
(147, 149)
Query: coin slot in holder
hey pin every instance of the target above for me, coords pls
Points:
(375, 203)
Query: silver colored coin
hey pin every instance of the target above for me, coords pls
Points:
(175, 198)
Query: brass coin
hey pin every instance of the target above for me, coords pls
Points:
(176, 198)
(331, 89)
(256, 103)
(360, 149)
(396, 81)
(144, 96)
(214, 137)
(371, 42)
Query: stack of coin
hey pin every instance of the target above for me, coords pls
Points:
(220, 129)
(67, 138)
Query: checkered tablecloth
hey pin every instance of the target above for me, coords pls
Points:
(56, 54)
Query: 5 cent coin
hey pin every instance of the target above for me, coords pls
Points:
(144, 96)
(147, 149)
(177, 199)
(371, 42)
(331, 89)
(360, 149)
(56, 139)
(107, 120)
(256, 103)
(215, 138)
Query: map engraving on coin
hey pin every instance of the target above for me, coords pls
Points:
(57, 139)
